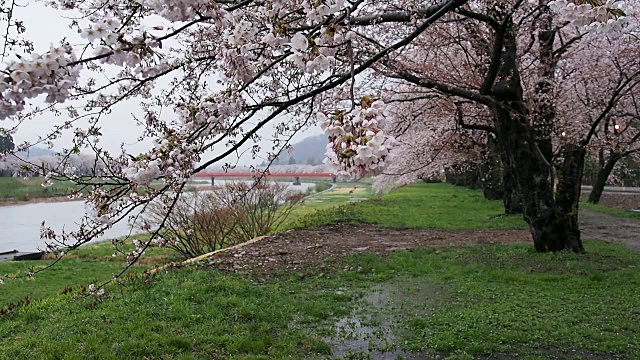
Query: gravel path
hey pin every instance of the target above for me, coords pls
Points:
(605, 227)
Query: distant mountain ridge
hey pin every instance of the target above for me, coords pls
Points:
(309, 151)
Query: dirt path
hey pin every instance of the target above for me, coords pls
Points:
(605, 227)
(299, 250)
(622, 201)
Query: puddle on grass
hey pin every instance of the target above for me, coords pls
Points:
(353, 200)
(370, 331)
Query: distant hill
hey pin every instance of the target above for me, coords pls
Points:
(309, 151)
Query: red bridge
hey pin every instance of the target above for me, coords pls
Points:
(232, 175)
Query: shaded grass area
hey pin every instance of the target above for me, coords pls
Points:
(609, 211)
(25, 189)
(492, 299)
(441, 206)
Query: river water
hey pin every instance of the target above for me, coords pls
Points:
(20, 224)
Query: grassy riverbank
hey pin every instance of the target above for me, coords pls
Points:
(461, 302)
(22, 190)
(94, 263)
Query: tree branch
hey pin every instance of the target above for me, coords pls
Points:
(496, 58)
(480, 127)
(444, 88)
(480, 17)
(610, 105)
(401, 16)
(282, 106)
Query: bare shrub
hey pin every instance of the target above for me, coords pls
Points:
(202, 222)
(259, 208)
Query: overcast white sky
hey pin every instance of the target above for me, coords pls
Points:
(46, 26)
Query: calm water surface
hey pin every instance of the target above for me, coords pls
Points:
(20, 224)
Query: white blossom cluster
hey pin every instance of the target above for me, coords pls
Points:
(175, 154)
(248, 51)
(135, 50)
(172, 159)
(94, 290)
(47, 180)
(317, 56)
(105, 30)
(143, 172)
(209, 117)
(137, 251)
(357, 144)
(605, 18)
(163, 242)
(27, 78)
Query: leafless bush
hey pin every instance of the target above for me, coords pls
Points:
(258, 208)
(206, 221)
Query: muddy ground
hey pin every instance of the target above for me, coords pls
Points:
(621, 201)
(605, 227)
(299, 250)
(302, 251)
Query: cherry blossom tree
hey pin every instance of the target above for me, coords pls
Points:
(597, 105)
(621, 142)
(236, 66)
(435, 134)
(506, 57)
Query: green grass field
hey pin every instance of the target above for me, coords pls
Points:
(438, 206)
(495, 301)
(92, 263)
(19, 189)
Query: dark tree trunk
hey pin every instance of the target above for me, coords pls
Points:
(603, 175)
(465, 174)
(498, 182)
(526, 151)
(492, 185)
(568, 194)
(491, 173)
(511, 198)
(553, 221)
